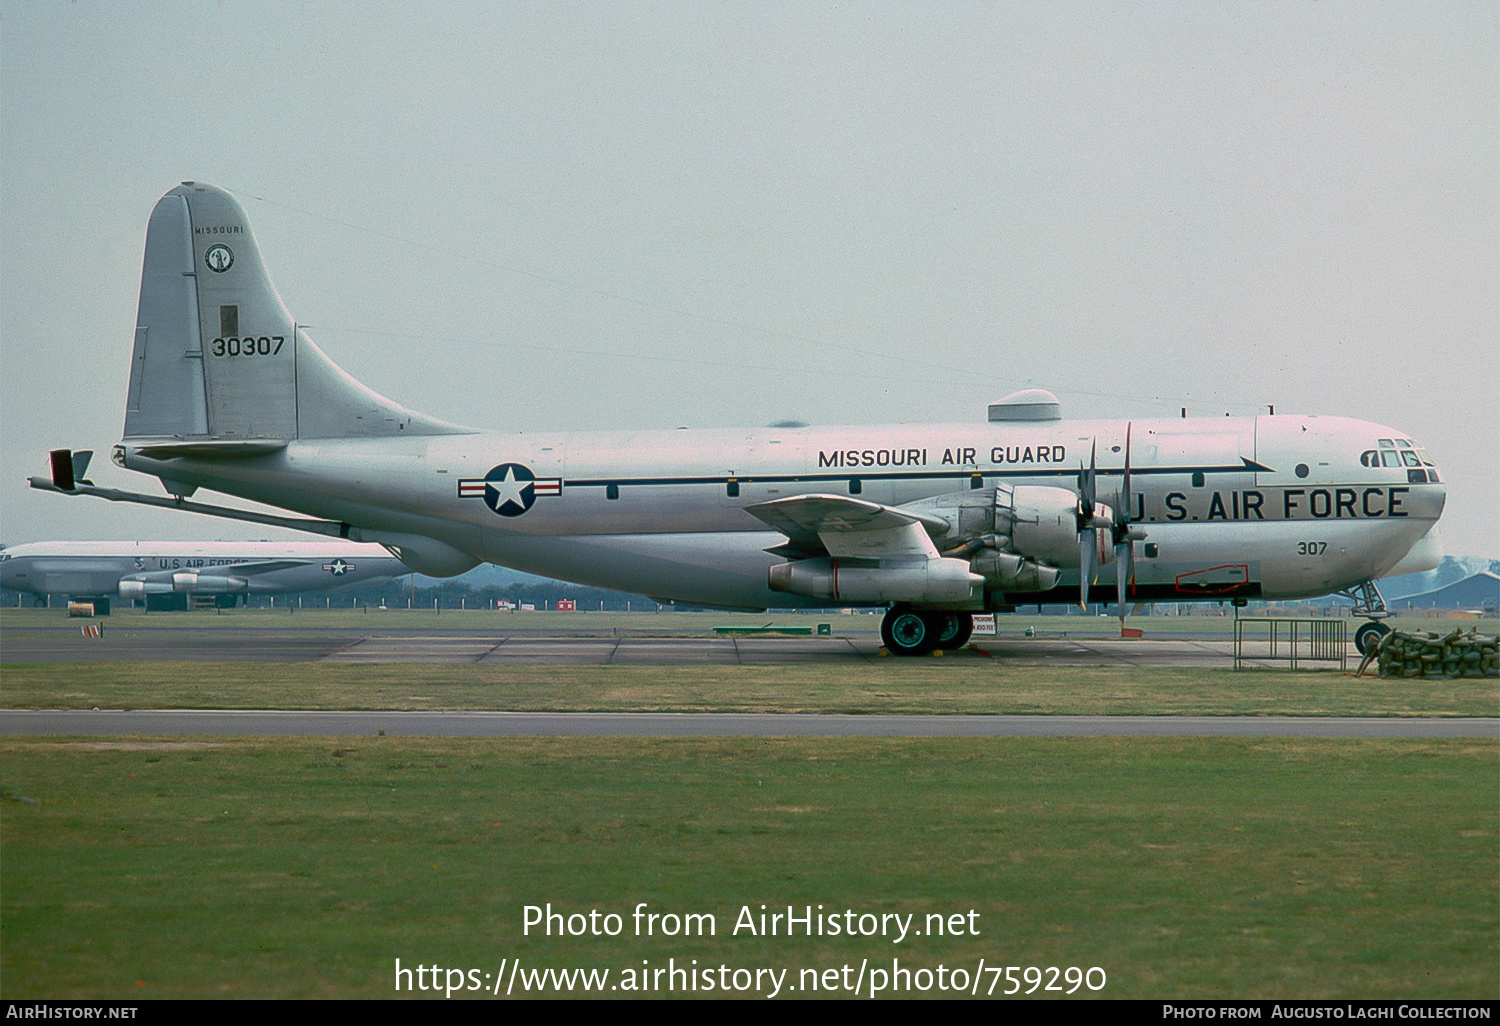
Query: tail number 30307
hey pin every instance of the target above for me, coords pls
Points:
(266, 345)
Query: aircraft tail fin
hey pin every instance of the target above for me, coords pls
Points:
(217, 356)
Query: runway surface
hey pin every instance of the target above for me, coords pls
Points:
(136, 642)
(284, 723)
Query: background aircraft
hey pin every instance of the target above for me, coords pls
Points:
(168, 574)
(933, 522)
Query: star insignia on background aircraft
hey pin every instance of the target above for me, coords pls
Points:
(509, 489)
(338, 567)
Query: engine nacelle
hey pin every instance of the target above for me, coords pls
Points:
(203, 584)
(923, 582)
(132, 590)
(1036, 523)
(1010, 572)
(1045, 525)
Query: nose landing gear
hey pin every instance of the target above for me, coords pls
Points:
(1368, 603)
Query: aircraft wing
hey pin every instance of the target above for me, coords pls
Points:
(263, 566)
(845, 527)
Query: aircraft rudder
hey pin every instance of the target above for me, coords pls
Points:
(166, 394)
(217, 355)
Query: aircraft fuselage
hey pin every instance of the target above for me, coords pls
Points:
(1272, 507)
(108, 569)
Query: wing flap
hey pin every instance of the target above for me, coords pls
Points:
(847, 527)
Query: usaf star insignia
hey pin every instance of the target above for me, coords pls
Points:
(338, 567)
(509, 489)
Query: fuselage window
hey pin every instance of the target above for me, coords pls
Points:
(855, 486)
(611, 491)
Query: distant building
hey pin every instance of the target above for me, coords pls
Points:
(1481, 591)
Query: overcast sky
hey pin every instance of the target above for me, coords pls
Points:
(551, 216)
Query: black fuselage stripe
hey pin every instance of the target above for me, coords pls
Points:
(926, 475)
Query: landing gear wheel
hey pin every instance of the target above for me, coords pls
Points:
(906, 632)
(952, 629)
(1369, 635)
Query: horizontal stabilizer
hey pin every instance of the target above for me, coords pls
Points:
(330, 528)
(208, 448)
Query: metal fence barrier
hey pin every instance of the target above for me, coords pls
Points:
(1294, 640)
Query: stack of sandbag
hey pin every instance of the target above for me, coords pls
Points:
(1429, 654)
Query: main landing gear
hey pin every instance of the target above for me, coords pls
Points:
(1369, 603)
(911, 632)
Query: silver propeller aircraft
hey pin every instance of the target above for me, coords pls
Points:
(159, 572)
(934, 523)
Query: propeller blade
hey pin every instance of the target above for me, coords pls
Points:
(1085, 567)
(1090, 522)
(1124, 574)
(1124, 537)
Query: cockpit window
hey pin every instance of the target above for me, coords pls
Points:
(1400, 453)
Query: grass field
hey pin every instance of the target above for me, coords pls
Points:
(1194, 867)
(645, 623)
(1181, 867)
(883, 686)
